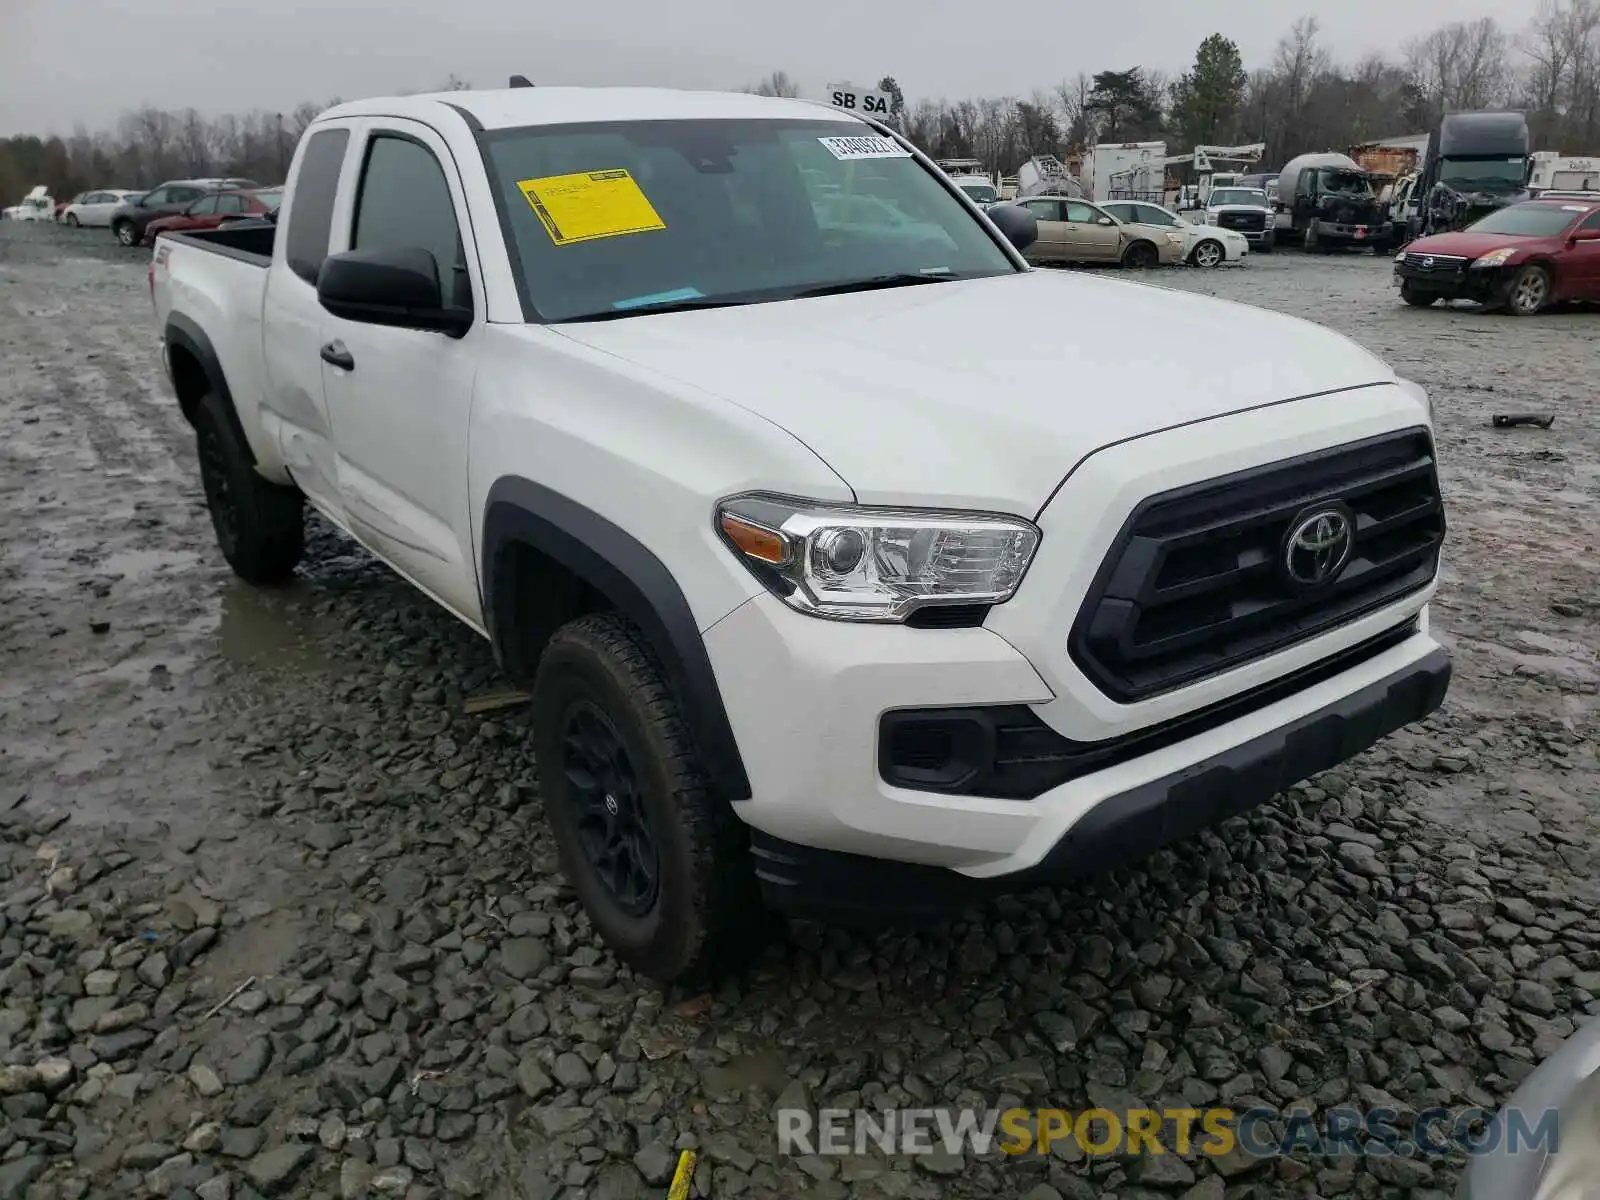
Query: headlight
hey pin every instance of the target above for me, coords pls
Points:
(1420, 394)
(875, 564)
(1401, 257)
(1211, 218)
(1494, 258)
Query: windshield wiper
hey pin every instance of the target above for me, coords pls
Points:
(876, 282)
(666, 306)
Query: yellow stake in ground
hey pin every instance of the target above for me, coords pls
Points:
(682, 1177)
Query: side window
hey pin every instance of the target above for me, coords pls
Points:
(159, 196)
(1155, 216)
(311, 215)
(1592, 221)
(404, 203)
(1081, 213)
(186, 195)
(1045, 210)
(230, 204)
(1123, 212)
(203, 208)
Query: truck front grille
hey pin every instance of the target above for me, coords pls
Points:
(1248, 222)
(1199, 579)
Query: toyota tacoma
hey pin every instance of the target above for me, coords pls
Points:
(830, 597)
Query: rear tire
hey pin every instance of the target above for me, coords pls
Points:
(260, 525)
(1415, 298)
(660, 862)
(125, 233)
(1141, 255)
(1208, 254)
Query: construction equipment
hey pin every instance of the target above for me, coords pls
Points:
(1122, 181)
(1046, 175)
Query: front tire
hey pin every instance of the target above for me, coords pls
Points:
(72, 220)
(1140, 255)
(1529, 291)
(260, 525)
(126, 234)
(1310, 241)
(1208, 254)
(660, 863)
(1267, 244)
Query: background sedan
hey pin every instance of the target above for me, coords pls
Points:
(210, 211)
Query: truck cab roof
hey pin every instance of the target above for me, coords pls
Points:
(513, 108)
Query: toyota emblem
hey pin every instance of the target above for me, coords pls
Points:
(1427, 261)
(1318, 545)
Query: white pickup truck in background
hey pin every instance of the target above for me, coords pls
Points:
(812, 611)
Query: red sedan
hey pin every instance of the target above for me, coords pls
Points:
(210, 211)
(1521, 258)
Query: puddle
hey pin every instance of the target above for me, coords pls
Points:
(271, 629)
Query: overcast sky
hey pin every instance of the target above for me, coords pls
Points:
(64, 61)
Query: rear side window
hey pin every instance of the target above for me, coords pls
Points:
(1593, 221)
(405, 202)
(311, 219)
(204, 207)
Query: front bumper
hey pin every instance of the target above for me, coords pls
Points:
(1479, 284)
(807, 697)
(1128, 824)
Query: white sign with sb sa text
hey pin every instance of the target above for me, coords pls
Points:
(860, 100)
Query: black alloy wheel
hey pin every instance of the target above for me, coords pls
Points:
(608, 809)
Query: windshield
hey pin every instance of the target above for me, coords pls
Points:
(1253, 196)
(620, 217)
(1529, 220)
(981, 193)
(1483, 175)
(1346, 183)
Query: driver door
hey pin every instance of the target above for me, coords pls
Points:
(1581, 264)
(1087, 239)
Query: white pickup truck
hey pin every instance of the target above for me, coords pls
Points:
(828, 595)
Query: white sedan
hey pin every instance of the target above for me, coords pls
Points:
(1204, 245)
(95, 208)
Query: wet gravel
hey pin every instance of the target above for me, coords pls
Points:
(278, 915)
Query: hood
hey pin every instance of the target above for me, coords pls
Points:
(1242, 208)
(1469, 245)
(984, 393)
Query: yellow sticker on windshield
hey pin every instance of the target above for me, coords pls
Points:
(590, 205)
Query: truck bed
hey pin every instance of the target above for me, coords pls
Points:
(250, 242)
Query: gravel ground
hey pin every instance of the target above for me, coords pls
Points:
(205, 788)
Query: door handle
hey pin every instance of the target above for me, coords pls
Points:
(335, 355)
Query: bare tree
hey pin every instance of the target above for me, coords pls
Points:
(776, 84)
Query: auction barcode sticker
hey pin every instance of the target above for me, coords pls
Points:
(848, 149)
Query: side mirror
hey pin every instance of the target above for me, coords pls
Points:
(1019, 226)
(1105, 221)
(1585, 235)
(389, 287)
